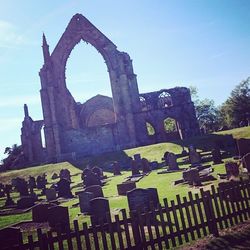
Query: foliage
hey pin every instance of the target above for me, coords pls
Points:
(235, 111)
(150, 129)
(14, 155)
(169, 125)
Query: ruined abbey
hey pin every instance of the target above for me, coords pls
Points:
(101, 124)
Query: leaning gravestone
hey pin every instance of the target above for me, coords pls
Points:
(134, 167)
(194, 157)
(124, 187)
(95, 189)
(22, 187)
(58, 217)
(145, 165)
(99, 208)
(84, 200)
(10, 238)
(50, 194)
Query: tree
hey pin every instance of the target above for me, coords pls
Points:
(206, 111)
(235, 111)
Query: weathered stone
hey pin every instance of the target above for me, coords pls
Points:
(232, 169)
(58, 217)
(95, 189)
(116, 168)
(40, 212)
(25, 202)
(192, 177)
(98, 171)
(172, 161)
(50, 194)
(216, 156)
(63, 188)
(145, 165)
(124, 187)
(194, 157)
(101, 124)
(91, 179)
(134, 167)
(99, 208)
(84, 200)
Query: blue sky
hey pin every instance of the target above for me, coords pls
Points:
(204, 43)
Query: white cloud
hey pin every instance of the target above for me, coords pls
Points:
(13, 101)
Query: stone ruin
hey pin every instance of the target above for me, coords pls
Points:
(101, 124)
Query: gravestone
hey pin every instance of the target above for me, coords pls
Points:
(154, 164)
(134, 167)
(84, 200)
(137, 157)
(192, 177)
(25, 202)
(91, 179)
(58, 217)
(98, 171)
(40, 212)
(243, 146)
(116, 168)
(32, 182)
(124, 187)
(41, 182)
(95, 189)
(172, 162)
(229, 192)
(153, 196)
(10, 238)
(50, 194)
(145, 165)
(194, 157)
(9, 202)
(65, 174)
(22, 187)
(232, 169)
(216, 156)
(138, 199)
(99, 208)
(63, 188)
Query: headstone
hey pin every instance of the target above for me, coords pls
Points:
(124, 187)
(9, 202)
(41, 182)
(98, 171)
(90, 179)
(229, 192)
(165, 156)
(116, 168)
(40, 212)
(153, 196)
(50, 194)
(192, 177)
(194, 157)
(65, 174)
(134, 167)
(138, 199)
(145, 165)
(58, 217)
(32, 182)
(25, 202)
(99, 208)
(172, 162)
(10, 237)
(95, 189)
(84, 200)
(63, 188)
(22, 187)
(154, 164)
(216, 156)
(232, 169)
(243, 146)
(137, 157)
(246, 162)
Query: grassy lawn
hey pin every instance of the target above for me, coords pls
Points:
(163, 182)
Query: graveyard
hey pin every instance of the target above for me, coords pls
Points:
(86, 191)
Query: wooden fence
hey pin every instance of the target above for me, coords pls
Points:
(170, 225)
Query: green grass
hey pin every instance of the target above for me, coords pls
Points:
(163, 182)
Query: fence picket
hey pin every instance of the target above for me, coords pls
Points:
(190, 229)
(197, 198)
(163, 226)
(126, 228)
(86, 236)
(78, 237)
(111, 231)
(177, 227)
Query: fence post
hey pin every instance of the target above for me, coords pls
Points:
(135, 228)
(209, 211)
